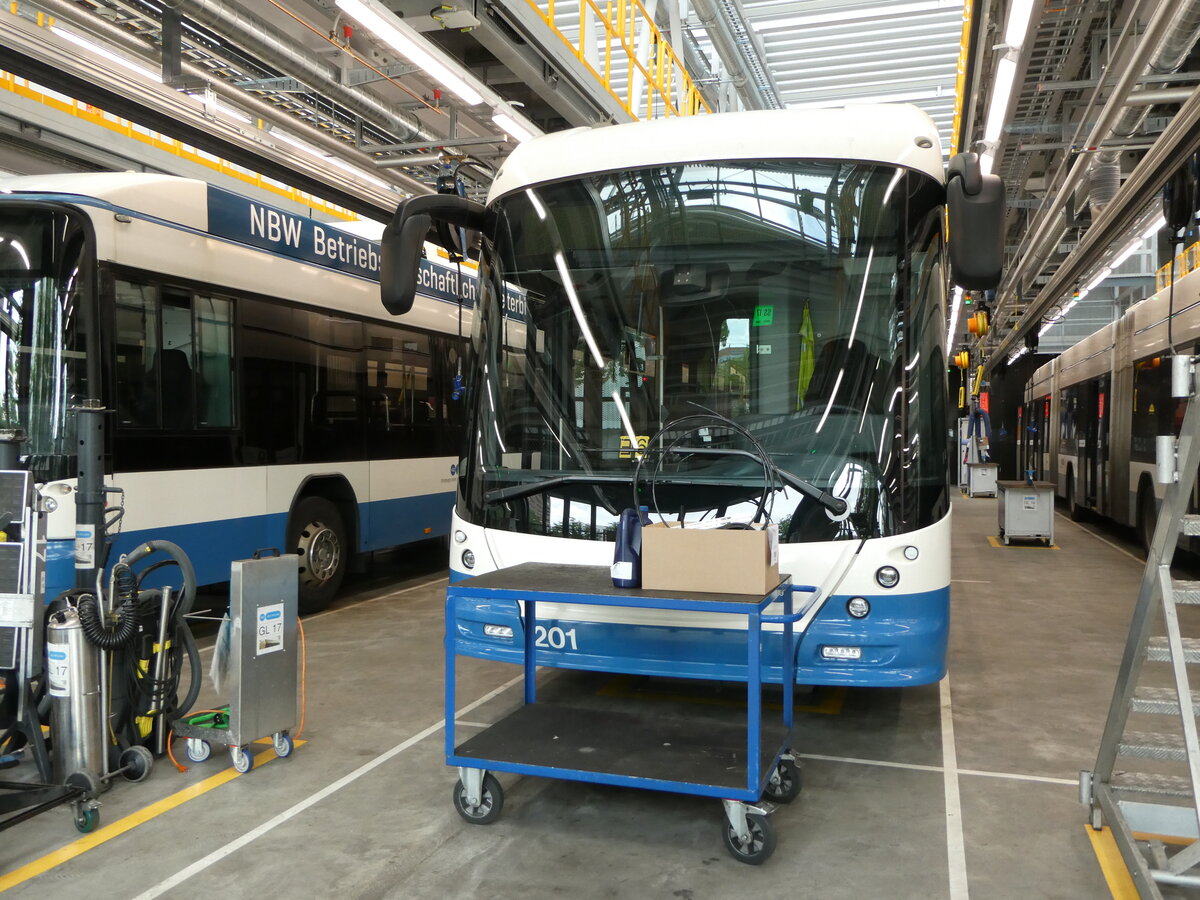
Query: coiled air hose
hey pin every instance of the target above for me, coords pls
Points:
(121, 632)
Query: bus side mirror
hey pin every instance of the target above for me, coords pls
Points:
(975, 207)
(404, 241)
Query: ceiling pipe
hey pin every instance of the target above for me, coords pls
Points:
(257, 37)
(1105, 175)
(731, 53)
(1047, 231)
(68, 11)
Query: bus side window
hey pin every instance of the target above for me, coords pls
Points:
(175, 362)
(136, 321)
(214, 359)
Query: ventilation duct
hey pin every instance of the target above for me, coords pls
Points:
(1104, 177)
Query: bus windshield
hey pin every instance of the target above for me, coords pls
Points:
(44, 279)
(801, 302)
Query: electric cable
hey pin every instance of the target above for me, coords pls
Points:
(696, 422)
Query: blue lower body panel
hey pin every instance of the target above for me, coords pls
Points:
(212, 546)
(903, 642)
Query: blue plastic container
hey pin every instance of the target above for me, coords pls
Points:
(627, 555)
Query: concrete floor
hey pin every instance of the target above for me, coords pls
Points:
(963, 789)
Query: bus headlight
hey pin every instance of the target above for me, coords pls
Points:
(460, 537)
(911, 552)
(887, 576)
(858, 607)
(468, 559)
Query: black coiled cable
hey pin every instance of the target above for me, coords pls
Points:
(99, 633)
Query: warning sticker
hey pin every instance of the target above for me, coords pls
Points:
(1029, 502)
(58, 670)
(269, 638)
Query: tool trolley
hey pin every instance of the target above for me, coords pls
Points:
(263, 663)
(739, 762)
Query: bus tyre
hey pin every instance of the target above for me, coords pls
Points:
(1146, 517)
(317, 535)
(1075, 512)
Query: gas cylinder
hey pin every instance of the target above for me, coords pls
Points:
(73, 676)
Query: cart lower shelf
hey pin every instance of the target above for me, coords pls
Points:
(693, 755)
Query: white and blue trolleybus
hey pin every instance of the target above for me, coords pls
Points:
(777, 279)
(259, 396)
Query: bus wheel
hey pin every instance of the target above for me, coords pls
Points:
(1075, 512)
(1146, 517)
(318, 536)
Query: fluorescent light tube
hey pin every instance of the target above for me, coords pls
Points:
(1019, 15)
(1002, 85)
(106, 54)
(1098, 280)
(956, 304)
(1125, 254)
(1155, 227)
(331, 160)
(402, 38)
(512, 127)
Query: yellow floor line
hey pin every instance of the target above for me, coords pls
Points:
(999, 544)
(128, 823)
(1112, 865)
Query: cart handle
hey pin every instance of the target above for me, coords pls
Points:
(796, 616)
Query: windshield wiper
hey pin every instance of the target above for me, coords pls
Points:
(528, 488)
(835, 505)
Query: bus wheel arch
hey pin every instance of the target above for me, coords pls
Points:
(1146, 513)
(1073, 509)
(322, 532)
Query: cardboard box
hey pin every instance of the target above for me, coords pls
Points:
(710, 560)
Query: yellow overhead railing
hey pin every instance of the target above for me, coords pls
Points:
(1187, 261)
(960, 79)
(621, 46)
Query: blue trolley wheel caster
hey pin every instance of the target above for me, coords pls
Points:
(86, 819)
(243, 762)
(491, 801)
(198, 750)
(757, 849)
(283, 744)
(786, 782)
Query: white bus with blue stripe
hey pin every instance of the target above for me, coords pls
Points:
(782, 271)
(259, 396)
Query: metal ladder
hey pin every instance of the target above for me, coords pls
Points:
(1165, 804)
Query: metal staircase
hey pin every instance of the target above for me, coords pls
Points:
(1138, 786)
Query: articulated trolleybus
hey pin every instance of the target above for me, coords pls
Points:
(1091, 414)
(778, 277)
(259, 395)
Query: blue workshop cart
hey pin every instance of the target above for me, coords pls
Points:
(739, 762)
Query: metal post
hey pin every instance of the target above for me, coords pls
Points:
(89, 501)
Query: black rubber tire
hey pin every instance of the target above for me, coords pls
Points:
(790, 783)
(1075, 512)
(140, 761)
(490, 805)
(316, 525)
(1147, 517)
(761, 845)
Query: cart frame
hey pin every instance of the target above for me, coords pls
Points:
(529, 583)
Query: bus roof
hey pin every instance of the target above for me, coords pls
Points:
(182, 200)
(886, 133)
